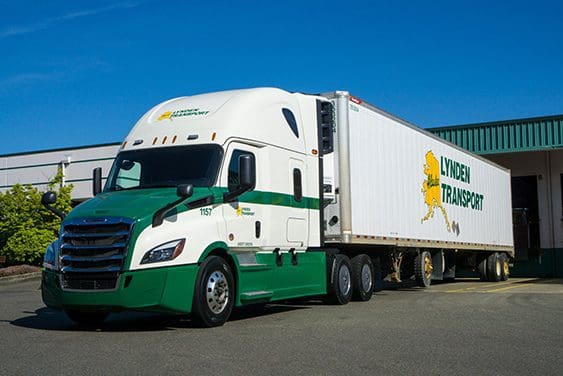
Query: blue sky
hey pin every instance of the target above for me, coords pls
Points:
(81, 72)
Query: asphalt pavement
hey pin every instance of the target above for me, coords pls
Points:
(462, 328)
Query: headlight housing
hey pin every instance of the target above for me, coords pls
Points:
(51, 258)
(164, 252)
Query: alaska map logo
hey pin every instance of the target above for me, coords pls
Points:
(437, 193)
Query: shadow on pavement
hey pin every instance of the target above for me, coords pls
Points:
(50, 319)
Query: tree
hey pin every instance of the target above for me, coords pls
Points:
(26, 227)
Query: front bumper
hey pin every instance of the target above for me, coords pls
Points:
(168, 289)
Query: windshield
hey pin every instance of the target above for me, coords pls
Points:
(165, 167)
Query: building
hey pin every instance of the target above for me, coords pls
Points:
(533, 150)
(38, 168)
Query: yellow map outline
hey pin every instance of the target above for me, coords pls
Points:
(431, 189)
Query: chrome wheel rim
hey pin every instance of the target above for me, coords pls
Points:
(366, 278)
(506, 268)
(498, 267)
(344, 279)
(217, 293)
(428, 268)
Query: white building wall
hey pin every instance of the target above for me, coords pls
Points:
(38, 168)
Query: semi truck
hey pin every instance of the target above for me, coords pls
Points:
(251, 196)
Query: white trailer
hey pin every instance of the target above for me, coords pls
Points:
(394, 185)
(251, 196)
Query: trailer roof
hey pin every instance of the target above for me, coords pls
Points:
(507, 136)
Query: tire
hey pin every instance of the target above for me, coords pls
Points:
(423, 269)
(482, 268)
(340, 282)
(214, 294)
(83, 318)
(363, 278)
(494, 267)
(505, 270)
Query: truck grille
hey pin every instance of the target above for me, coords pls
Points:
(92, 253)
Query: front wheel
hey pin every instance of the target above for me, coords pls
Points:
(83, 318)
(214, 294)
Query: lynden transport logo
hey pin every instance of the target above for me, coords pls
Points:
(438, 188)
(170, 115)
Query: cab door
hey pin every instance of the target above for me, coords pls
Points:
(243, 216)
(297, 224)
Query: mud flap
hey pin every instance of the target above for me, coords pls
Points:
(437, 265)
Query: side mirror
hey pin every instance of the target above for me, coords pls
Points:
(247, 172)
(185, 190)
(247, 178)
(96, 181)
(47, 200)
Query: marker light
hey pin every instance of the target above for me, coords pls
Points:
(164, 252)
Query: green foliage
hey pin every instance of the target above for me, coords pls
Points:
(26, 227)
(27, 245)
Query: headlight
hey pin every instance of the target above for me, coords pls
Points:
(164, 252)
(50, 260)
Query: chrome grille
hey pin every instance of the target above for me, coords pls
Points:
(93, 251)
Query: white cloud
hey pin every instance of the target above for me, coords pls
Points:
(53, 21)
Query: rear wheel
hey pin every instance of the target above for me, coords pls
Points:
(505, 272)
(340, 283)
(214, 293)
(423, 269)
(362, 278)
(86, 318)
(494, 267)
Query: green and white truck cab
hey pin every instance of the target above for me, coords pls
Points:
(259, 195)
(212, 201)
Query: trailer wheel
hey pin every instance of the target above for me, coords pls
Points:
(86, 318)
(494, 267)
(423, 269)
(505, 270)
(362, 278)
(214, 294)
(340, 283)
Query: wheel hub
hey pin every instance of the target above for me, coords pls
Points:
(344, 281)
(366, 278)
(217, 292)
(428, 268)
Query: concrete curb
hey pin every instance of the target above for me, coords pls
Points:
(20, 278)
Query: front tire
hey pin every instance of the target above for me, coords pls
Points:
(340, 283)
(362, 278)
(214, 294)
(83, 318)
